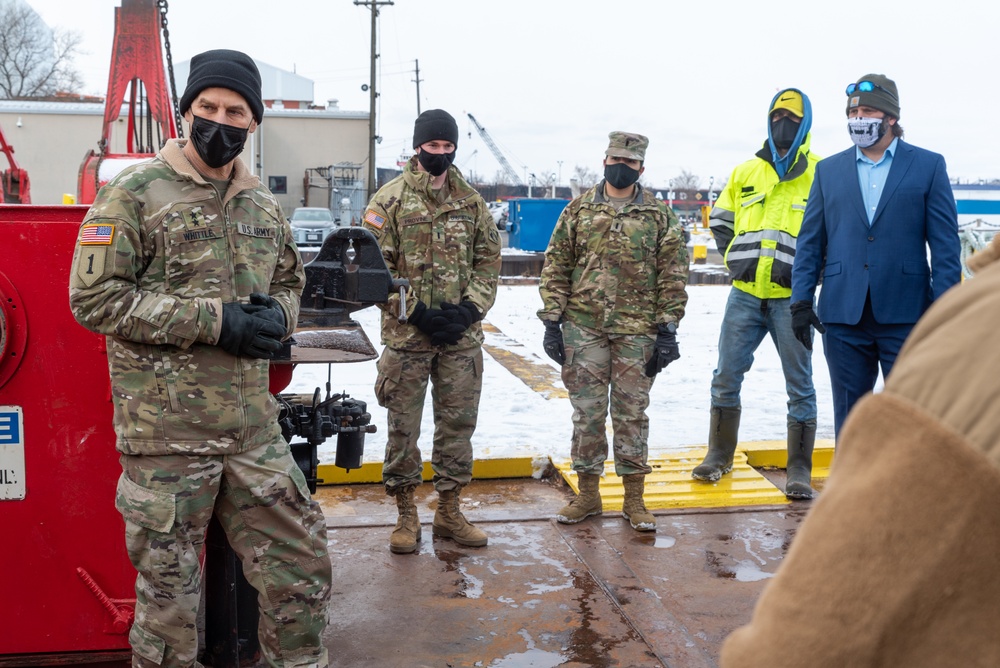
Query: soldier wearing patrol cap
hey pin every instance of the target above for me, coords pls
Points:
(613, 292)
(756, 222)
(187, 265)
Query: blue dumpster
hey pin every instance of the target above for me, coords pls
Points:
(531, 222)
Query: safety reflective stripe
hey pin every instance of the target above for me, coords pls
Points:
(718, 213)
(799, 207)
(752, 200)
(723, 218)
(749, 242)
(747, 249)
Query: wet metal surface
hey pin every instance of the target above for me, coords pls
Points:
(542, 593)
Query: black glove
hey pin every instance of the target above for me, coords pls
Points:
(454, 320)
(553, 342)
(436, 323)
(803, 320)
(271, 309)
(421, 318)
(665, 349)
(248, 335)
(465, 313)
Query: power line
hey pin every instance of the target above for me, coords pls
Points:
(373, 137)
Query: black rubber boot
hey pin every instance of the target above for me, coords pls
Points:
(801, 440)
(722, 438)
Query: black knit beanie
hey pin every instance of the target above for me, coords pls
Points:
(224, 68)
(883, 95)
(435, 124)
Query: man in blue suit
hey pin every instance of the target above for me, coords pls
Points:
(874, 210)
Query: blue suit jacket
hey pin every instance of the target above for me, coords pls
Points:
(888, 259)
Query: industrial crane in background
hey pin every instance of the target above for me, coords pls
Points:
(507, 169)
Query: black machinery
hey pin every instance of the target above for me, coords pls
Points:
(347, 275)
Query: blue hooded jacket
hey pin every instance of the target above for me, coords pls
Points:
(781, 164)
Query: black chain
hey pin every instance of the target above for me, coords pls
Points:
(162, 4)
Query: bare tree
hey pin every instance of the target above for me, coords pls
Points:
(34, 60)
(686, 181)
(545, 178)
(586, 177)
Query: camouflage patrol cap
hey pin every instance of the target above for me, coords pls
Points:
(627, 145)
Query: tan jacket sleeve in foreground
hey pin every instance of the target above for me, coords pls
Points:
(896, 564)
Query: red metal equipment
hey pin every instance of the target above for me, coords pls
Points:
(137, 68)
(68, 583)
(14, 186)
(68, 596)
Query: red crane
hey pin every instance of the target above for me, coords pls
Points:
(137, 68)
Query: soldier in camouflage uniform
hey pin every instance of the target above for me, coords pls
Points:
(613, 291)
(187, 265)
(436, 232)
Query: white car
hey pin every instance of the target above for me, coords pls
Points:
(311, 225)
(500, 212)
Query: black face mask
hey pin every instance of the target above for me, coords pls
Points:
(620, 175)
(783, 132)
(216, 143)
(436, 163)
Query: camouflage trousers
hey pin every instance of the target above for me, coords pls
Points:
(457, 381)
(263, 504)
(597, 366)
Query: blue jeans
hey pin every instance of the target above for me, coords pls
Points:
(746, 322)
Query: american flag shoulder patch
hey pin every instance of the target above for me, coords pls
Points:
(97, 235)
(374, 219)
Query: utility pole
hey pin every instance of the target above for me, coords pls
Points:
(417, 81)
(372, 94)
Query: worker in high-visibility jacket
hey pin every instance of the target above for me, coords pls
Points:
(755, 222)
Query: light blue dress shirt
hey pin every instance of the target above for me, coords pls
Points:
(872, 176)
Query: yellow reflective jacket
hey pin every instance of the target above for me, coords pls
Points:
(756, 222)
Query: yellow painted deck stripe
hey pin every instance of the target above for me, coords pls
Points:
(670, 484)
(536, 374)
(483, 469)
(774, 454)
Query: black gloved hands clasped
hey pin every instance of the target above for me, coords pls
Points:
(459, 318)
(553, 342)
(665, 349)
(245, 333)
(444, 325)
(803, 320)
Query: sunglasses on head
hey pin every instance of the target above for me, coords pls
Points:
(867, 87)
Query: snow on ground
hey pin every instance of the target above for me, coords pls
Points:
(516, 421)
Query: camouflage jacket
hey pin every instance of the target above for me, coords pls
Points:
(619, 272)
(448, 250)
(158, 254)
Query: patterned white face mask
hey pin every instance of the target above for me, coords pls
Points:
(865, 131)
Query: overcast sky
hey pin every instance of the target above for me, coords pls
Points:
(549, 79)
